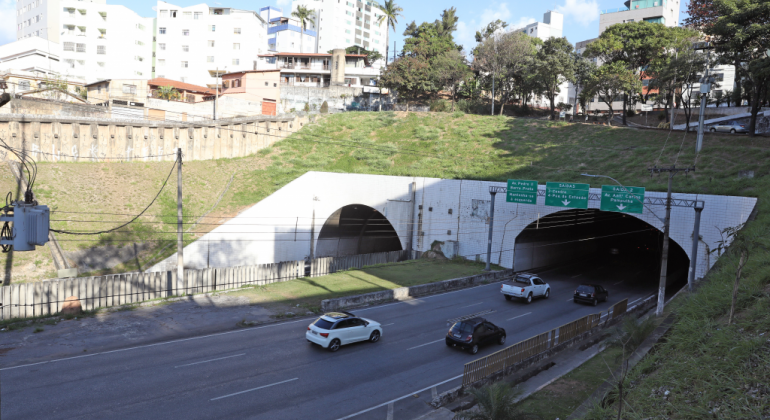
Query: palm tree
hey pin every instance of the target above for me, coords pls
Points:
(303, 14)
(495, 402)
(167, 92)
(390, 11)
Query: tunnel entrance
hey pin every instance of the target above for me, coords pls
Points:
(356, 229)
(623, 244)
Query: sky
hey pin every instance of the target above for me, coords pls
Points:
(581, 17)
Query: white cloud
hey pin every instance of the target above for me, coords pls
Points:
(582, 11)
(466, 30)
(524, 21)
(7, 15)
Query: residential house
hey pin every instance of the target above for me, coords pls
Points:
(321, 70)
(262, 86)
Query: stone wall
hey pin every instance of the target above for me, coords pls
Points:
(60, 138)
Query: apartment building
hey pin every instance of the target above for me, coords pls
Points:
(345, 23)
(194, 43)
(321, 70)
(32, 54)
(551, 26)
(285, 34)
(93, 39)
(655, 11)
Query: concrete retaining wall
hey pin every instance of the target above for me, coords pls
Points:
(297, 96)
(402, 293)
(56, 138)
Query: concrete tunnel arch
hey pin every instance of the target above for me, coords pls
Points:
(356, 229)
(578, 235)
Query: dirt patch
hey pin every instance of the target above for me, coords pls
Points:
(564, 387)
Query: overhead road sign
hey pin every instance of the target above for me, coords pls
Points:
(622, 199)
(567, 194)
(521, 191)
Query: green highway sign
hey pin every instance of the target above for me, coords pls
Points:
(566, 194)
(622, 199)
(521, 191)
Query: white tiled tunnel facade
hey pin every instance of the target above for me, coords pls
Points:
(279, 227)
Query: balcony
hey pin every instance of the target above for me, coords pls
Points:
(300, 66)
(306, 84)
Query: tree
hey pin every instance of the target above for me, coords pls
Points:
(491, 28)
(448, 23)
(636, 45)
(674, 74)
(410, 76)
(554, 65)
(609, 81)
(728, 97)
(304, 15)
(505, 56)
(582, 71)
(168, 93)
(390, 14)
(452, 69)
(497, 401)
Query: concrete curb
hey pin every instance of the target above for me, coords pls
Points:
(638, 355)
(405, 293)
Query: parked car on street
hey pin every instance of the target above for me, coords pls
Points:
(730, 127)
(591, 293)
(335, 329)
(525, 286)
(472, 333)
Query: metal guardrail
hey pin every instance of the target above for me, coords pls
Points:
(497, 362)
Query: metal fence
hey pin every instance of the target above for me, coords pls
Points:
(27, 300)
(499, 361)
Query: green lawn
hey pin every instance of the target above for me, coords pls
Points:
(309, 292)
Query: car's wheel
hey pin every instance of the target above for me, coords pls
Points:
(712, 129)
(474, 349)
(507, 297)
(595, 302)
(732, 131)
(547, 293)
(375, 337)
(501, 340)
(334, 345)
(529, 298)
(574, 300)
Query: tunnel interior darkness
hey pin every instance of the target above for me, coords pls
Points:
(594, 237)
(356, 229)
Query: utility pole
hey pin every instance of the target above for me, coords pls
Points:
(179, 225)
(491, 228)
(493, 94)
(705, 88)
(673, 170)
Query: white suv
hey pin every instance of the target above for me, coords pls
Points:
(336, 329)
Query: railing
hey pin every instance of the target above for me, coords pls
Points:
(303, 66)
(523, 350)
(619, 9)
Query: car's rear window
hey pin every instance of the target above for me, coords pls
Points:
(323, 324)
(461, 328)
(521, 280)
(585, 289)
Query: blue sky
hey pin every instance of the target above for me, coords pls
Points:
(581, 17)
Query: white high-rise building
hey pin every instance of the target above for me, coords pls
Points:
(285, 34)
(346, 23)
(193, 43)
(655, 11)
(551, 26)
(94, 40)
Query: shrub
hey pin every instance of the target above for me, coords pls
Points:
(458, 114)
(439, 105)
(307, 107)
(664, 125)
(631, 113)
(324, 108)
(472, 106)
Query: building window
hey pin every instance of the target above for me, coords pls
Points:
(162, 31)
(236, 46)
(69, 46)
(100, 63)
(173, 13)
(185, 48)
(184, 64)
(237, 31)
(139, 42)
(185, 32)
(211, 44)
(164, 13)
(130, 89)
(266, 83)
(137, 58)
(347, 31)
(101, 49)
(81, 47)
(236, 61)
(210, 59)
(24, 85)
(198, 15)
(212, 28)
(187, 15)
(140, 26)
(161, 63)
(162, 47)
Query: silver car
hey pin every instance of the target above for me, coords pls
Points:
(730, 127)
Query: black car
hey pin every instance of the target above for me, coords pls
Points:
(591, 293)
(472, 333)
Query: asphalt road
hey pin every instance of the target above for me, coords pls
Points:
(272, 372)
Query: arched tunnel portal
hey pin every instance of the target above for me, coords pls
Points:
(356, 229)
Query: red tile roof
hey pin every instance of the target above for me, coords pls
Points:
(160, 81)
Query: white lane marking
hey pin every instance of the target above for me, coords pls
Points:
(570, 299)
(398, 399)
(253, 389)
(156, 344)
(212, 360)
(576, 276)
(426, 344)
(619, 282)
(519, 316)
(387, 324)
(468, 306)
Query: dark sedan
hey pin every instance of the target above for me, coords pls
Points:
(591, 293)
(470, 334)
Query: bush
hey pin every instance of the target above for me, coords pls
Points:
(324, 108)
(664, 125)
(472, 106)
(307, 107)
(631, 113)
(439, 105)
